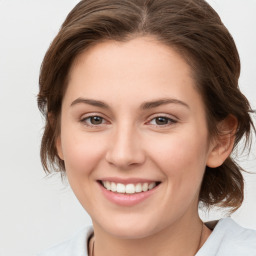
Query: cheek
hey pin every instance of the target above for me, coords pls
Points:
(82, 152)
(182, 157)
(82, 155)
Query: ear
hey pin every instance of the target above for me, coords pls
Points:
(222, 145)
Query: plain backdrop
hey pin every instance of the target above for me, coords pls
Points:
(37, 211)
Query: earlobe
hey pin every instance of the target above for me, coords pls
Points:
(222, 145)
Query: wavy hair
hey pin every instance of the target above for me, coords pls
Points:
(191, 27)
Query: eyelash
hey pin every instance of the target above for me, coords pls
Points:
(170, 121)
(85, 120)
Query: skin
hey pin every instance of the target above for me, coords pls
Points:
(129, 142)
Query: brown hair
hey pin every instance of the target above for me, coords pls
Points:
(196, 32)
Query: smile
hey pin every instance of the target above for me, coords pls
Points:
(128, 192)
(128, 188)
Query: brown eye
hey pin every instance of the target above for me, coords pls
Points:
(162, 120)
(96, 120)
(93, 121)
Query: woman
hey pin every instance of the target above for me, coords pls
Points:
(142, 111)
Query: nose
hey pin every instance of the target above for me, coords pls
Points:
(125, 149)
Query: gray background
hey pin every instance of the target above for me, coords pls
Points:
(36, 212)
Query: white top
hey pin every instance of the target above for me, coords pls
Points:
(227, 239)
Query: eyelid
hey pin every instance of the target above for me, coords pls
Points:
(173, 119)
(89, 115)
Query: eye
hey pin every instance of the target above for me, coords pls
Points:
(162, 121)
(93, 120)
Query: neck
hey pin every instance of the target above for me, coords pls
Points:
(184, 238)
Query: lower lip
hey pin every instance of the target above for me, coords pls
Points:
(127, 199)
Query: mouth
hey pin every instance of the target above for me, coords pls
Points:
(130, 188)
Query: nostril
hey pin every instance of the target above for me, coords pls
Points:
(124, 154)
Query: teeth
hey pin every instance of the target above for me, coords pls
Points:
(129, 188)
(145, 187)
(107, 185)
(113, 186)
(138, 188)
(151, 185)
(120, 188)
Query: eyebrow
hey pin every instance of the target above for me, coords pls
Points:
(157, 103)
(95, 103)
(144, 105)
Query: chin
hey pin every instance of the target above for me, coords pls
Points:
(131, 232)
(130, 228)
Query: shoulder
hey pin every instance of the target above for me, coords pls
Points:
(229, 238)
(76, 246)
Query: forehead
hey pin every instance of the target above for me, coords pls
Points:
(145, 50)
(138, 70)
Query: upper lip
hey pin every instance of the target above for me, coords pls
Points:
(128, 181)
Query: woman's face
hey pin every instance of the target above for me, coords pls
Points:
(132, 120)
